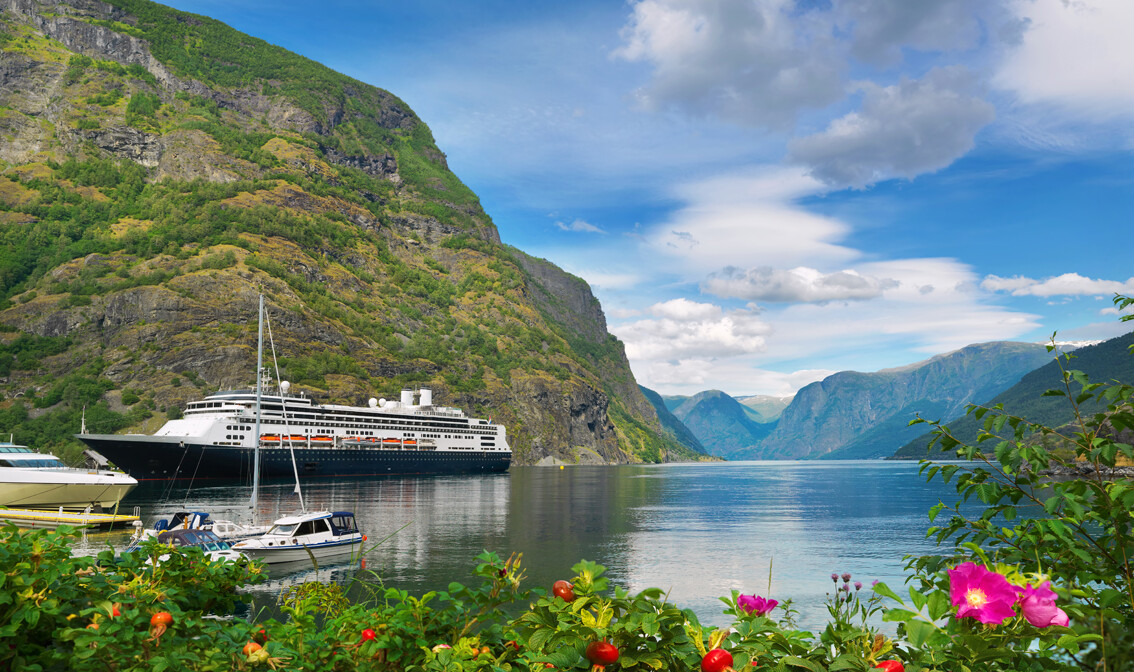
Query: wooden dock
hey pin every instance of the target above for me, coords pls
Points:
(37, 519)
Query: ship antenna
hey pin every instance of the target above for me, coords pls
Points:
(259, 393)
(83, 421)
(283, 407)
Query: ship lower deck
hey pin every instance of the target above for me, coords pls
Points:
(148, 460)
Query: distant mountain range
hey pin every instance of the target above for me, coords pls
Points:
(1107, 361)
(855, 415)
(723, 425)
(765, 408)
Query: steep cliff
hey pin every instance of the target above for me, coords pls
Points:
(159, 170)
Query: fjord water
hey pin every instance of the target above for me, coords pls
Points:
(697, 531)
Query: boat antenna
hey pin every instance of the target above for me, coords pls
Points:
(283, 407)
(259, 393)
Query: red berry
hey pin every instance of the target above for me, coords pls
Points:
(512, 643)
(602, 653)
(250, 648)
(717, 660)
(162, 618)
(114, 611)
(564, 590)
(891, 666)
(261, 636)
(368, 635)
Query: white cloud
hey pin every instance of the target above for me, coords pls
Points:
(579, 225)
(1068, 284)
(904, 130)
(765, 283)
(1075, 54)
(753, 63)
(686, 329)
(746, 220)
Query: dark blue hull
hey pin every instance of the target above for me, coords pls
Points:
(149, 458)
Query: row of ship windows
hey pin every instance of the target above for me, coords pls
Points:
(391, 423)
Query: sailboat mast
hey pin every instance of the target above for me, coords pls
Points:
(259, 394)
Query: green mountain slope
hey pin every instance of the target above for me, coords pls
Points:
(866, 415)
(1107, 361)
(670, 421)
(722, 425)
(159, 170)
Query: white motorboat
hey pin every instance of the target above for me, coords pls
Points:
(322, 535)
(29, 479)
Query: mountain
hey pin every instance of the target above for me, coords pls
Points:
(765, 408)
(721, 423)
(1107, 361)
(866, 415)
(159, 170)
(670, 421)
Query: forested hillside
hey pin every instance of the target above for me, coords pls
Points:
(159, 170)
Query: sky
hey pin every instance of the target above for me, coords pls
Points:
(764, 192)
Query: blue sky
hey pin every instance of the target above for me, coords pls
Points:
(764, 192)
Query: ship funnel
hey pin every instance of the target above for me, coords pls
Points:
(407, 397)
(426, 396)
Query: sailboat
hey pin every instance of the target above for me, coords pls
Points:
(317, 535)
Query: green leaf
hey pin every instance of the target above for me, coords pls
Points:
(796, 661)
(884, 590)
(919, 632)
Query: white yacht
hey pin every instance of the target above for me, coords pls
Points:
(38, 480)
(322, 534)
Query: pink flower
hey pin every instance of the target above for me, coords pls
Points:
(754, 604)
(981, 594)
(1038, 606)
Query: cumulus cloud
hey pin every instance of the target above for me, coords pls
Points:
(1068, 284)
(881, 29)
(681, 328)
(1077, 55)
(753, 63)
(579, 225)
(904, 130)
(799, 284)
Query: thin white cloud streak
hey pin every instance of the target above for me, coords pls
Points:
(746, 220)
(579, 226)
(796, 285)
(1067, 284)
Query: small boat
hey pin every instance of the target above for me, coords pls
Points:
(214, 547)
(199, 520)
(322, 534)
(31, 479)
(36, 519)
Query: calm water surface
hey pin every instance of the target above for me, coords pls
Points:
(697, 531)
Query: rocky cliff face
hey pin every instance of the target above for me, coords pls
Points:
(149, 192)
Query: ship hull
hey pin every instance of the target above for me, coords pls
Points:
(149, 458)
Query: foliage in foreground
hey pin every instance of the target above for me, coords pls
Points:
(1041, 579)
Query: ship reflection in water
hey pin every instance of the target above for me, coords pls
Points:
(698, 531)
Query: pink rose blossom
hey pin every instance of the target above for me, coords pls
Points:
(1038, 606)
(754, 604)
(981, 594)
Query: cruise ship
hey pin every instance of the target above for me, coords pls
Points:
(216, 438)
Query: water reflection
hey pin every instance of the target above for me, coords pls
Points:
(698, 531)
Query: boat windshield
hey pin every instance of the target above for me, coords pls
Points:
(284, 530)
(44, 463)
(216, 546)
